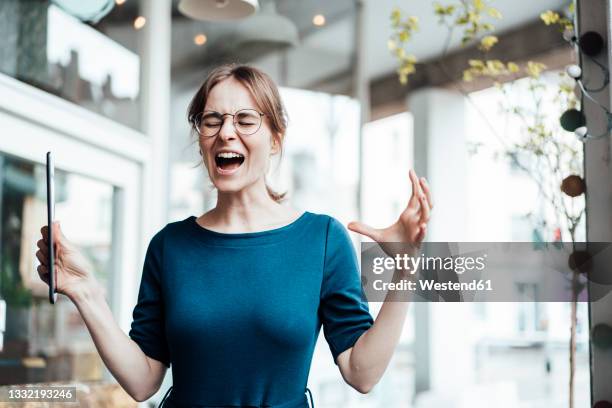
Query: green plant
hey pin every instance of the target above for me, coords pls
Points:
(546, 153)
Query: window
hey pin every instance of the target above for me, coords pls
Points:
(46, 47)
(44, 342)
(521, 347)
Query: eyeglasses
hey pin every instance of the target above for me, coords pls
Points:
(209, 123)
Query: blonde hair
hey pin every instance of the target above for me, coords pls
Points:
(264, 91)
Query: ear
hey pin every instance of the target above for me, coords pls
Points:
(275, 144)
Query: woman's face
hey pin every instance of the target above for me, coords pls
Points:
(228, 172)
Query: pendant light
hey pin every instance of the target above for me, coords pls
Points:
(218, 10)
(267, 29)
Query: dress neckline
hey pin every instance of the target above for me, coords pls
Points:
(236, 238)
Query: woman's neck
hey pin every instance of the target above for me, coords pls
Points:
(251, 209)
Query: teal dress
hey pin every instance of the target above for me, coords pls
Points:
(236, 316)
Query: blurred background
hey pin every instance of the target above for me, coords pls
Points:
(105, 86)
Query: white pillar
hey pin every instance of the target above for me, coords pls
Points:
(440, 155)
(444, 350)
(361, 88)
(155, 96)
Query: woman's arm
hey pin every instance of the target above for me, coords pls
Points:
(363, 365)
(139, 375)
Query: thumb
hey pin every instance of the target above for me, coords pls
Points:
(57, 232)
(364, 229)
(421, 235)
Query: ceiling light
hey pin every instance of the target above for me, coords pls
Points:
(139, 22)
(318, 20)
(200, 39)
(267, 30)
(218, 10)
(119, 2)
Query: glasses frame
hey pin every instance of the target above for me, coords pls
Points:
(194, 120)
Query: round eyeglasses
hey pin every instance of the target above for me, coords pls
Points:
(209, 123)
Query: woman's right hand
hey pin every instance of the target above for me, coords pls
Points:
(73, 270)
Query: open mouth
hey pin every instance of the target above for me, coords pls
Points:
(228, 161)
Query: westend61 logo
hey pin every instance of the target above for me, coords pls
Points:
(485, 271)
(407, 263)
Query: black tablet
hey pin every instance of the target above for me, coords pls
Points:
(50, 217)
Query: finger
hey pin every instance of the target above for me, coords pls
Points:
(57, 232)
(425, 211)
(414, 201)
(421, 235)
(43, 247)
(364, 229)
(417, 185)
(58, 235)
(44, 233)
(41, 258)
(43, 274)
(422, 199)
(427, 191)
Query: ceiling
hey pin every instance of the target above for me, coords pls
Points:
(323, 52)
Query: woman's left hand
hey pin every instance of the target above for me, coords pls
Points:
(411, 226)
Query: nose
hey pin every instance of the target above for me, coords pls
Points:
(227, 131)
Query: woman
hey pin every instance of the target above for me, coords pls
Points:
(235, 299)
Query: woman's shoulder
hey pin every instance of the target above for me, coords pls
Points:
(332, 225)
(172, 228)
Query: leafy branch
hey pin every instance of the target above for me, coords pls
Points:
(546, 153)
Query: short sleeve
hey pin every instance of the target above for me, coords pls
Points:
(148, 317)
(343, 312)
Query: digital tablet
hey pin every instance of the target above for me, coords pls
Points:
(50, 217)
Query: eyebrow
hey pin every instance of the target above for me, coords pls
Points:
(239, 109)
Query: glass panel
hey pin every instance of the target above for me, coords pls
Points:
(388, 156)
(44, 342)
(522, 348)
(320, 167)
(46, 47)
